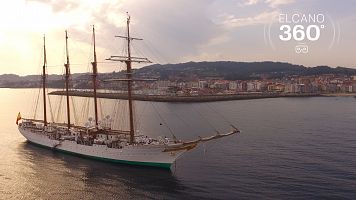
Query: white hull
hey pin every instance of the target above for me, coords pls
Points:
(148, 155)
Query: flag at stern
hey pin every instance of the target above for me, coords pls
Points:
(18, 118)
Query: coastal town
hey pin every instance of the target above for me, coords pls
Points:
(321, 84)
(199, 86)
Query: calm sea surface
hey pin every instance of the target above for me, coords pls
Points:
(289, 148)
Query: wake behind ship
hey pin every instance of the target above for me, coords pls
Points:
(99, 140)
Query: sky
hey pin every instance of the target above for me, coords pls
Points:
(174, 31)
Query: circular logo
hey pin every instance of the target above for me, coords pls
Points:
(301, 33)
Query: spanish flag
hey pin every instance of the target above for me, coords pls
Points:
(18, 118)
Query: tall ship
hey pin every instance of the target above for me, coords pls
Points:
(100, 141)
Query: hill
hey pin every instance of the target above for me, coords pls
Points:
(237, 70)
(185, 71)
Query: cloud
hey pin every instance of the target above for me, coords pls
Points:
(68, 5)
(261, 18)
(173, 31)
(270, 3)
(251, 2)
(172, 27)
(276, 3)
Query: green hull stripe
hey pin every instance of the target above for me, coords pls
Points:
(149, 164)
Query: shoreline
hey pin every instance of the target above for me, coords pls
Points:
(201, 98)
(205, 98)
(340, 95)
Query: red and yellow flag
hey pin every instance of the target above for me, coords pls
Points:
(18, 118)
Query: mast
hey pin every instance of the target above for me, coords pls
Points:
(67, 82)
(128, 61)
(95, 75)
(44, 81)
(129, 82)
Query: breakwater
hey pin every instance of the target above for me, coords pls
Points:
(201, 98)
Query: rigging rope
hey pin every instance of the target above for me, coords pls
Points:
(114, 114)
(101, 109)
(36, 103)
(59, 111)
(82, 109)
(139, 117)
(206, 119)
(87, 108)
(164, 122)
(50, 108)
(180, 118)
(217, 112)
(74, 111)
